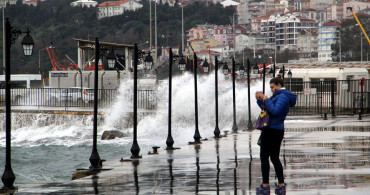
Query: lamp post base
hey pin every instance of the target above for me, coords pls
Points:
(235, 128)
(250, 126)
(8, 178)
(95, 160)
(135, 150)
(217, 132)
(170, 143)
(197, 136)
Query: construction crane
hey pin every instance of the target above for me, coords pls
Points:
(359, 24)
(56, 65)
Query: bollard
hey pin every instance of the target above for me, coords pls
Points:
(155, 150)
(325, 116)
(225, 133)
(359, 115)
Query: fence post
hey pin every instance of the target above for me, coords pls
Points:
(332, 99)
(362, 83)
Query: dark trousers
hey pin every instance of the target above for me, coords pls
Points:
(270, 148)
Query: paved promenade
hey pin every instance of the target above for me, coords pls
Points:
(319, 157)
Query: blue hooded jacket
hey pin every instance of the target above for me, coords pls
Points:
(278, 107)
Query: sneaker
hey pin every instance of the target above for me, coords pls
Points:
(280, 190)
(263, 190)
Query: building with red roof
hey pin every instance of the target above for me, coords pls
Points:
(115, 8)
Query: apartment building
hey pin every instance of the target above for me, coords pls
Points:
(307, 44)
(326, 37)
(319, 15)
(222, 34)
(335, 12)
(300, 4)
(256, 23)
(281, 31)
(242, 41)
(320, 4)
(356, 6)
(250, 9)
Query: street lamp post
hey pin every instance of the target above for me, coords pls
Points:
(11, 34)
(195, 67)
(135, 149)
(95, 158)
(250, 125)
(169, 141)
(235, 127)
(216, 132)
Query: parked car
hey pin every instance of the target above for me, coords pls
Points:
(72, 94)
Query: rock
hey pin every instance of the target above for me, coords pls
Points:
(112, 134)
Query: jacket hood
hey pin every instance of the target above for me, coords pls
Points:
(292, 97)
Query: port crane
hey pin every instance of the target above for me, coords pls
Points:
(56, 65)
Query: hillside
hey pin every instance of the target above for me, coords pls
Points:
(56, 22)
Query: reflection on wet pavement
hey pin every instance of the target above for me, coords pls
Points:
(321, 160)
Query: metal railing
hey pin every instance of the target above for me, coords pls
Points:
(341, 97)
(67, 97)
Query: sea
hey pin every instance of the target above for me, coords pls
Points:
(50, 147)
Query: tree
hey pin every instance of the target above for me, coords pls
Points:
(57, 22)
(348, 35)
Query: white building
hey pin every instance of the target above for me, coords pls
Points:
(251, 9)
(84, 3)
(242, 41)
(229, 3)
(356, 6)
(281, 31)
(320, 4)
(326, 37)
(307, 45)
(115, 8)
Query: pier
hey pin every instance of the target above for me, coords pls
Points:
(319, 157)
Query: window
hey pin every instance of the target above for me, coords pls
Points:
(14, 84)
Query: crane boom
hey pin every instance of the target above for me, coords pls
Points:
(359, 24)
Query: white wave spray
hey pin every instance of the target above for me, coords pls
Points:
(154, 127)
(48, 129)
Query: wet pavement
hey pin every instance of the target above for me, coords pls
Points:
(319, 157)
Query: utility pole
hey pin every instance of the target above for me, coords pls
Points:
(234, 32)
(182, 28)
(155, 33)
(150, 24)
(340, 46)
(361, 46)
(4, 4)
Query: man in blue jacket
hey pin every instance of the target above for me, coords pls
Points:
(278, 107)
